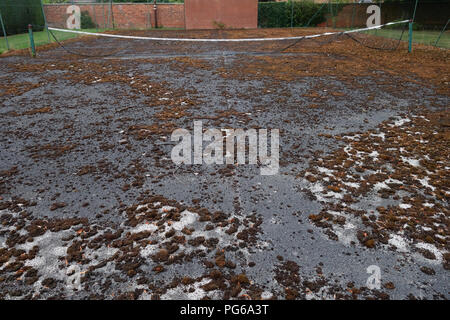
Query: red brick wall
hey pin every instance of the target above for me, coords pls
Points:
(207, 14)
(171, 15)
(125, 16)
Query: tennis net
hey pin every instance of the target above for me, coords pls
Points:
(176, 42)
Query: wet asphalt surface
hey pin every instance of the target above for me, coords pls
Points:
(97, 121)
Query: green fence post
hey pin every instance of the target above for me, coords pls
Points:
(104, 17)
(45, 21)
(112, 14)
(95, 17)
(292, 13)
(440, 34)
(410, 36)
(315, 14)
(109, 16)
(333, 17)
(415, 9)
(411, 27)
(33, 48)
(4, 31)
(149, 15)
(353, 15)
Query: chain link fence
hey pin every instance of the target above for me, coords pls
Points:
(87, 15)
(430, 27)
(431, 21)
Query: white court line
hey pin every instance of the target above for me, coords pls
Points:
(224, 40)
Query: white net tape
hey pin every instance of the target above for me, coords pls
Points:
(227, 40)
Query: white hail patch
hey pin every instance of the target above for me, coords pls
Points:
(182, 293)
(398, 242)
(327, 171)
(351, 184)
(380, 185)
(390, 180)
(347, 149)
(401, 122)
(316, 187)
(411, 161)
(351, 137)
(166, 209)
(433, 249)
(266, 295)
(139, 207)
(334, 194)
(425, 183)
(144, 227)
(187, 218)
(380, 135)
(148, 250)
(374, 155)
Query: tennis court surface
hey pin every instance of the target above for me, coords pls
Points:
(92, 206)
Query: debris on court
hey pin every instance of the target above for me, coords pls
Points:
(91, 205)
(402, 163)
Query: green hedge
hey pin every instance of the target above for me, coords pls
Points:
(17, 14)
(278, 14)
(86, 21)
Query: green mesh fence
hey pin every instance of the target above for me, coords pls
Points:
(17, 14)
(431, 21)
(430, 26)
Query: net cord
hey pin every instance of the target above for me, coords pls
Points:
(225, 40)
(379, 48)
(80, 54)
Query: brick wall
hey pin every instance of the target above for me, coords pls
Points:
(210, 14)
(200, 14)
(124, 15)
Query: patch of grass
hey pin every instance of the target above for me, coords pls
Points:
(419, 36)
(22, 41)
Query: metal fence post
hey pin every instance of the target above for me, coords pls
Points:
(112, 14)
(353, 14)
(415, 9)
(104, 17)
(332, 14)
(440, 34)
(292, 13)
(109, 17)
(4, 32)
(411, 27)
(149, 15)
(95, 17)
(33, 48)
(410, 36)
(315, 14)
(45, 21)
